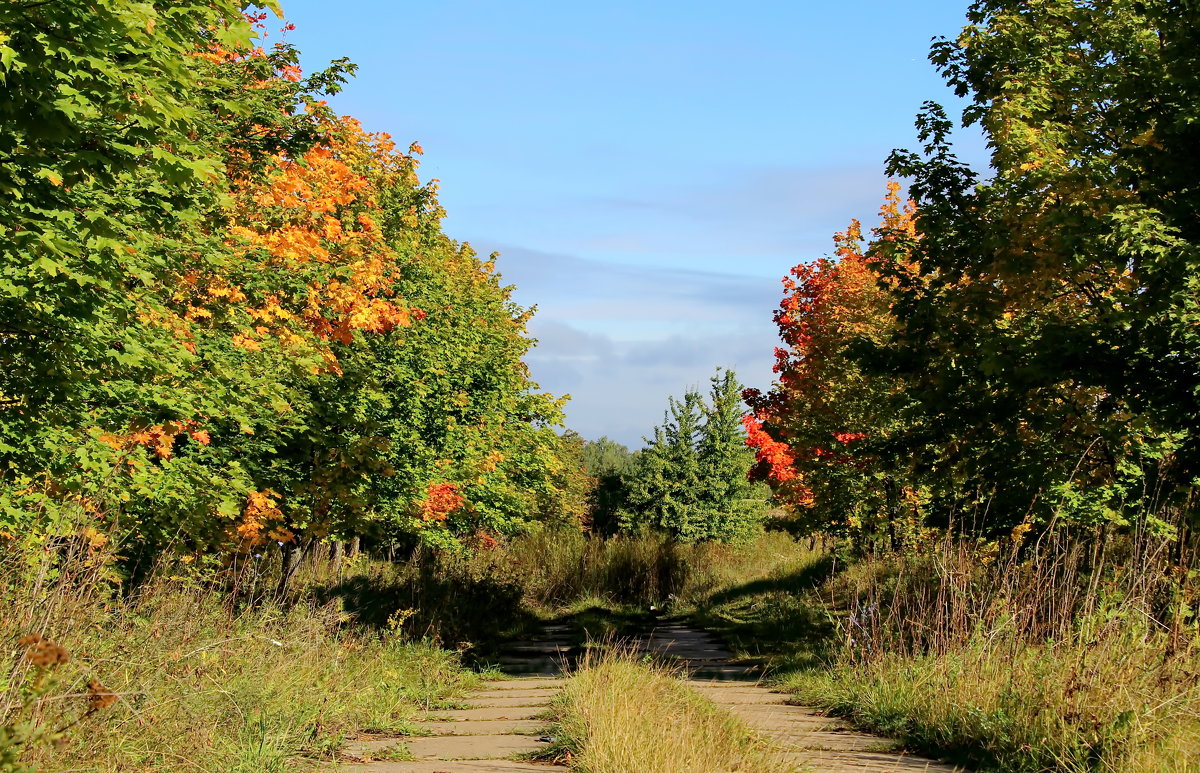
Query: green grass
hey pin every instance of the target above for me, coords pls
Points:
(944, 653)
(1008, 668)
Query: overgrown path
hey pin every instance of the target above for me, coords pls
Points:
(500, 724)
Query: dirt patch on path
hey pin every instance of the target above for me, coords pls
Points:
(501, 722)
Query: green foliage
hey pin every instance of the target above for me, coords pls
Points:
(115, 162)
(232, 317)
(610, 463)
(1025, 352)
(1050, 340)
(691, 480)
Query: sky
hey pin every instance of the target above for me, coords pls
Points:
(647, 170)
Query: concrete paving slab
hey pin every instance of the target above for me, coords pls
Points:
(374, 746)
(830, 740)
(526, 693)
(501, 722)
(472, 747)
(459, 766)
(781, 717)
(741, 696)
(511, 712)
(498, 703)
(481, 727)
(528, 683)
(721, 684)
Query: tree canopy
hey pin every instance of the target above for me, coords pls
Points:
(691, 480)
(1025, 349)
(231, 316)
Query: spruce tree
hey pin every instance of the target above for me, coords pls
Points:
(691, 479)
(732, 505)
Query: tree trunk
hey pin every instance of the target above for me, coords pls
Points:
(287, 565)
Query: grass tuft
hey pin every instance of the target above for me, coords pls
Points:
(618, 713)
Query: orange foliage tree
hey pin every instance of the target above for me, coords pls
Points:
(819, 431)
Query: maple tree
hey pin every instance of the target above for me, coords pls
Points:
(115, 179)
(1050, 347)
(232, 316)
(818, 434)
(1020, 350)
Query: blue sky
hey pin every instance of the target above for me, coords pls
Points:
(648, 170)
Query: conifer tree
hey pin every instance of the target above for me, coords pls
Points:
(691, 480)
(732, 504)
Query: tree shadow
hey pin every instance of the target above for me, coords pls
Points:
(778, 620)
(474, 614)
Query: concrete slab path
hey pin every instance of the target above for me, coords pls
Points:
(502, 721)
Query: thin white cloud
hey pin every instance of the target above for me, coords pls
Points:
(621, 339)
(620, 388)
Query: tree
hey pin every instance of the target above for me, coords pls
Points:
(1050, 341)
(822, 431)
(610, 464)
(126, 126)
(691, 479)
(231, 316)
(733, 504)
(666, 489)
(1024, 351)
(418, 418)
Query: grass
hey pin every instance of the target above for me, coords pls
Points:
(998, 667)
(204, 681)
(1016, 665)
(618, 714)
(173, 678)
(1031, 664)
(475, 602)
(1028, 663)
(1063, 706)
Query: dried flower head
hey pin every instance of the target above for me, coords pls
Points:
(99, 696)
(41, 651)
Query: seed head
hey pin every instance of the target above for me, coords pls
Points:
(41, 651)
(99, 696)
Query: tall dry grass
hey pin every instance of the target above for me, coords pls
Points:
(176, 676)
(1031, 658)
(618, 714)
(557, 569)
(510, 589)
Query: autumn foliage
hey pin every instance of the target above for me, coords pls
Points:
(1014, 354)
(231, 315)
(811, 433)
(441, 499)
